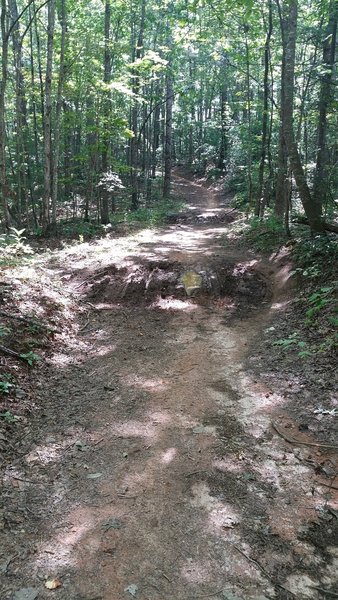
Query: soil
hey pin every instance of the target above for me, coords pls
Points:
(154, 461)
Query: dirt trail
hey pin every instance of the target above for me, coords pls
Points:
(157, 473)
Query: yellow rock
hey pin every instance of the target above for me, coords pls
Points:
(192, 281)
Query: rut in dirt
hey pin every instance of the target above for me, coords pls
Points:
(156, 471)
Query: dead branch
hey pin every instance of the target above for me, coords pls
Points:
(328, 485)
(293, 441)
(326, 592)
(261, 568)
(10, 352)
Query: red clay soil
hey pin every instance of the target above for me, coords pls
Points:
(159, 467)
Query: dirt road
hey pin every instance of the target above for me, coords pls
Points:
(156, 472)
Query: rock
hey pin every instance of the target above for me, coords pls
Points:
(26, 594)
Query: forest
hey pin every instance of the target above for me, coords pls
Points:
(98, 103)
(168, 300)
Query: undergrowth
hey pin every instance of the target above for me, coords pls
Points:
(266, 235)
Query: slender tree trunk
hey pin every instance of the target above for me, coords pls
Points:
(223, 151)
(3, 83)
(312, 209)
(168, 134)
(106, 110)
(134, 146)
(265, 119)
(57, 135)
(48, 119)
(156, 139)
(320, 184)
(249, 117)
(20, 111)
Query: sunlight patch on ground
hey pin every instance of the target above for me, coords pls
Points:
(103, 350)
(301, 586)
(171, 303)
(220, 516)
(280, 305)
(196, 572)
(134, 429)
(61, 360)
(229, 465)
(168, 456)
(160, 417)
(150, 385)
(44, 454)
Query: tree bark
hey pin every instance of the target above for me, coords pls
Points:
(321, 184)
(57, 135)
(3, 83)
(312, 209)
(265, 118)
(106, 110)
(168, 134)
(137, 54)
(48, 119)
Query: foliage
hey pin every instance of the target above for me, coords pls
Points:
(266, 235)
(9, 417)
(293, 341)
(155, 214)
(31, 358)
(7, 382)
(13, 246)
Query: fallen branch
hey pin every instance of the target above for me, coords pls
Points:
(326, 592)
(294, 441)
(328, 485)
(327, 226)
(261, 568)
(19, 318)
(10, 352)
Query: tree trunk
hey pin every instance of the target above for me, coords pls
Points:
(320, 184)
(48, 119)
(249, 118)
(168, 134)
(57, 136)
(3, 83)
(265, 118)
(106, 111)
(312, 209)
(137, 54)
(223, 151)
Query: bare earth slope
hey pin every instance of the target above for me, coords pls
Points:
(156, 472)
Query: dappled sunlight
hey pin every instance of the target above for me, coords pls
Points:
(151, 385)
(61, 550)
(168, 475)
(50, 453)
(197, 572)
(160, 417)
(137, 429)
(281, 305)
(168, 456)
(221, 516)
(229, 464)
(173, 304)
(103, 350)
